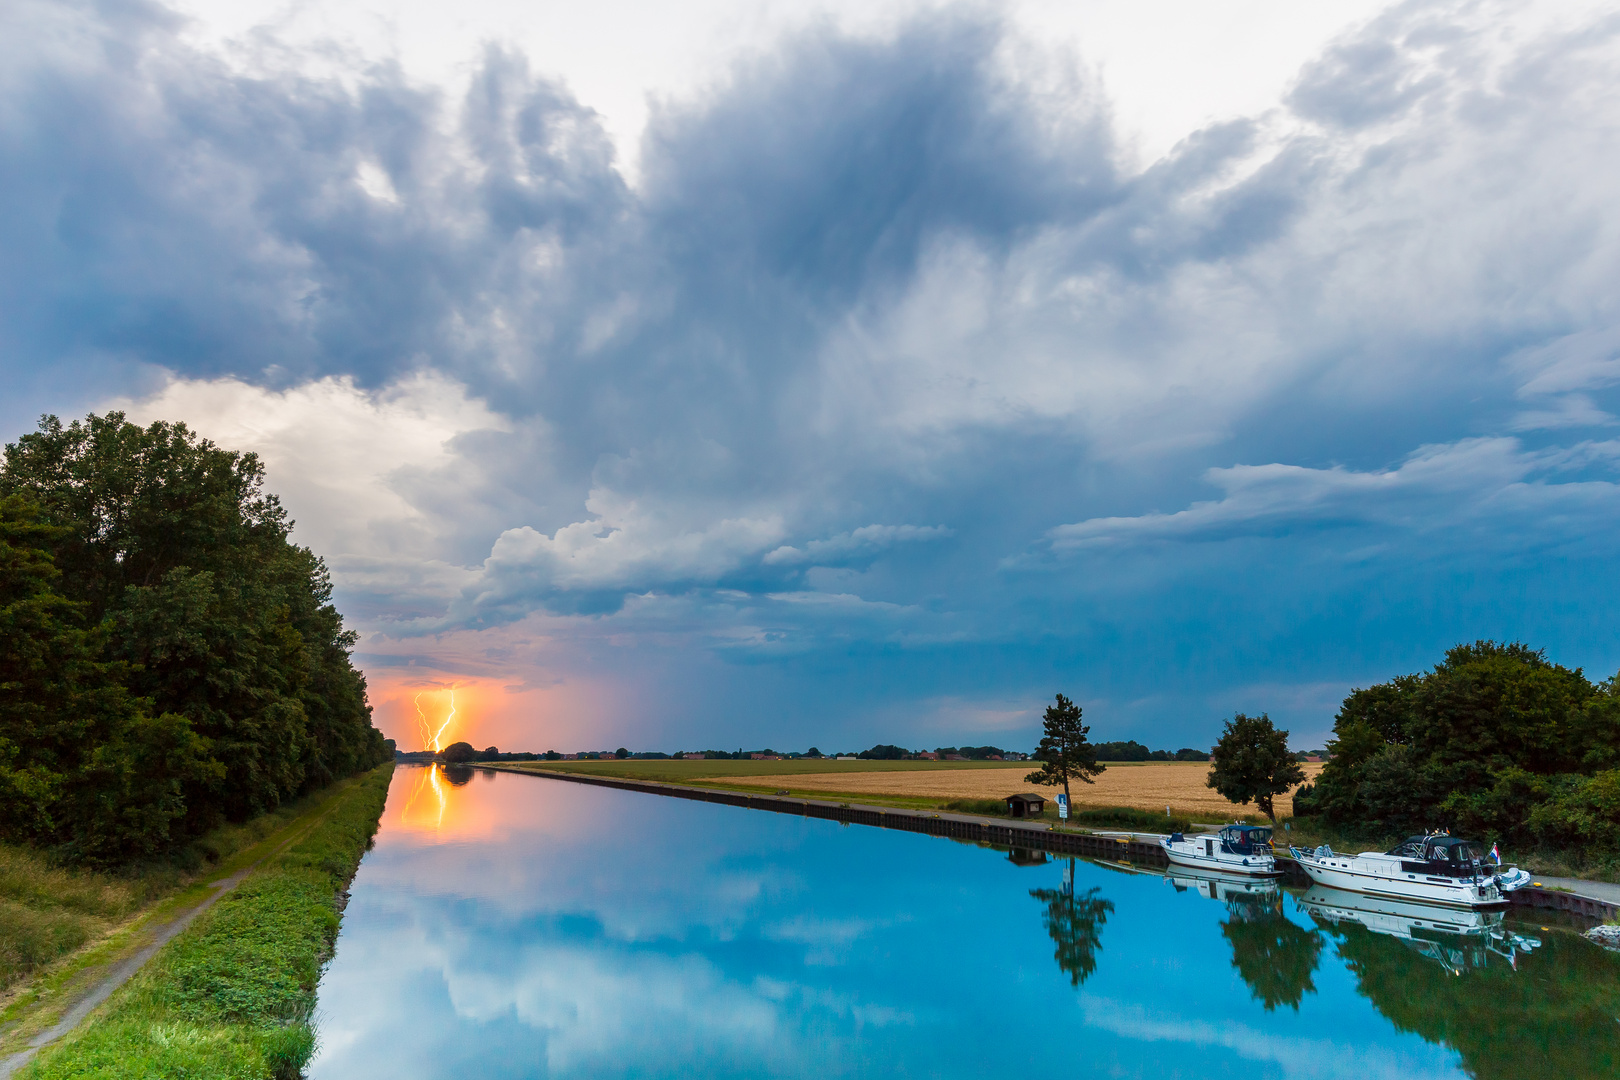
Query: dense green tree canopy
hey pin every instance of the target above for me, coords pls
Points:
(1495, 741)
(170, 659)
(1252, 763)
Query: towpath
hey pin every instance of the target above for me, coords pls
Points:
(152, 938)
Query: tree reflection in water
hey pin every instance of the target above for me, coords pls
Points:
(1276, 957)
(458, 775)
(1075, 924)
(1550, 1014)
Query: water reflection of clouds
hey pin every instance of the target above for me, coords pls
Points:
(585, 931)
(596, 1006)
(1294, 1055)
(828, 939)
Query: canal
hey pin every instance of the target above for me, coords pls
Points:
(514, 926)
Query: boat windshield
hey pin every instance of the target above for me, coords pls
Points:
(1246, 838)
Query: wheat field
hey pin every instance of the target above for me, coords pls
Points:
(1151, 786)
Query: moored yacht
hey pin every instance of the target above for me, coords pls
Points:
(1436, 868)
(1236, 849)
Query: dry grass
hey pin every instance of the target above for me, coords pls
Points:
(1151, 786)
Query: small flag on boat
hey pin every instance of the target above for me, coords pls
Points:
(1497, 855)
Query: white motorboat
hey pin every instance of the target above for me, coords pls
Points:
(1236, 849)
(1432, 869)
(1458, 940)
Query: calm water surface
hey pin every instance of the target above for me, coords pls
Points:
(514, 926)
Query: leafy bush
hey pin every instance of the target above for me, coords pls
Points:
(1495, 741)
(1124, 817)
(988, 807)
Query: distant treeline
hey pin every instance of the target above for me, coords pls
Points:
(168, 659)
(1131, 750)
(1495, 742)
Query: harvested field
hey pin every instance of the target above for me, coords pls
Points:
(1147, 787)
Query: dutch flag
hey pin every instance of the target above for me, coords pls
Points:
(1497, 855)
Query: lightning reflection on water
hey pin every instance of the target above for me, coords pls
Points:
(431, 778)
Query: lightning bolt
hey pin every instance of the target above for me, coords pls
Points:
(447, 719)
(430, 737)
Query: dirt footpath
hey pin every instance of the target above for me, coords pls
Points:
(1148, 787)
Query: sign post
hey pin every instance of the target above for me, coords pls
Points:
(1063, 806)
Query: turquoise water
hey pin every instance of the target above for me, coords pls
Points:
(515, 926)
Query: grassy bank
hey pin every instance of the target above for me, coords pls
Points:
(47, 912)
(232, 996)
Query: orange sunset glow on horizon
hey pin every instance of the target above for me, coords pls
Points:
(430, 710)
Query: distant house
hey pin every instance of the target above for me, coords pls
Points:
(1025, 806)
(1314, 757)
(928, 755)
(692, 757)
(849, 757)
(766, 757)
(954, 757)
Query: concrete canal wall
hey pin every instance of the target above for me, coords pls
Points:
(1010, 834)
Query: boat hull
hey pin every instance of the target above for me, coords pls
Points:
(1372, 878)
(1191, 854)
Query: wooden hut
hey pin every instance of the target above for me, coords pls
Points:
(1022, 805)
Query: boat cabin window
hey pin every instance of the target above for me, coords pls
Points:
(1244, 838)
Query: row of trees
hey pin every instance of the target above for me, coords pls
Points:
(1493, 741)
(1131, 750)
(1251, 762)
(168, 659)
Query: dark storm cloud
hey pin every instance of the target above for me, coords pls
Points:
(887, 384)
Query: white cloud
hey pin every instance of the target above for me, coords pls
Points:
(358, 470)
(629, 545)
(1436, 488)
(867, 540)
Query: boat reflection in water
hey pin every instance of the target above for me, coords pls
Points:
(1276, 958)
(1457, 939)
(1216, 885)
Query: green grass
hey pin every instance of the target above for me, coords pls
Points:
(1124, 817)
(48, 911)
(232, 996)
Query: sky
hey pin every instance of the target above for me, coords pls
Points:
(720, 375)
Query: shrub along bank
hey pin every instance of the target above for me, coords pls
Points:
(232, 996)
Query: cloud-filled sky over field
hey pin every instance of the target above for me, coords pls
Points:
(732, 375)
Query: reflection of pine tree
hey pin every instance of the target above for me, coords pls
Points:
(1075, 923)
(1274, 956)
